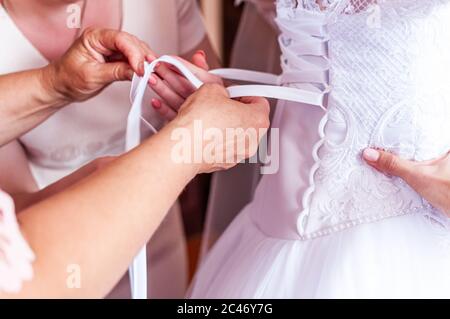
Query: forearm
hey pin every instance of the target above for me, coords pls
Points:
(26, 100)
(24, 199)
(100, 223)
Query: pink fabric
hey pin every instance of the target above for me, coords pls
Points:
(15, 255)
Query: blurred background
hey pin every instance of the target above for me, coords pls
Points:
(222, 21)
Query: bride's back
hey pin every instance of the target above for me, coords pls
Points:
(327, 225)
(385, 64)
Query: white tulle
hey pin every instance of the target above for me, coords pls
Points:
(404, 252)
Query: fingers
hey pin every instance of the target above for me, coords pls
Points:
(169, 97)
(110, 42)
(173, 88)
(389, 163)
(118, 71)
(164, 110)
(178, 83)
(136, 51)
(199, 60)
(201, 72)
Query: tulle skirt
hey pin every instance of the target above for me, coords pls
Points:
(401, 257)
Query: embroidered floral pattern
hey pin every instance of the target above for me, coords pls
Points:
(385, 94)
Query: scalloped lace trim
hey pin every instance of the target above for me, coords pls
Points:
(307, 196)
(330, 6)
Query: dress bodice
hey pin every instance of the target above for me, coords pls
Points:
(385, 64)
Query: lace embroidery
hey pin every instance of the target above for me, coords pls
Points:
(346, 6)
(392, 113)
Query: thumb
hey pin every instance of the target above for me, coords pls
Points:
(389, 163)
(113, 72)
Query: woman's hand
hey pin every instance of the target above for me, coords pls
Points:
(216, 132)
(106, 218)
(431, 179)
(98, 58)
(173, 88)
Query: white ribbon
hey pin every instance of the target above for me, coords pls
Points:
(138, 270)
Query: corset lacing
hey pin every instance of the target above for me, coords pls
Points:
(305, 63)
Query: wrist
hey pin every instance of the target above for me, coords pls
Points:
(179, 136)
(53, 87)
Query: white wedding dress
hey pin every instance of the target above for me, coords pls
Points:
(326, 225)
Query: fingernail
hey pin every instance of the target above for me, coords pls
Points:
(151, 58)
(153, 80)
(371, 155)
(156, 103)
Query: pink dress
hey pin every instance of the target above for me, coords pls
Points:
(16, 256)
(326, 225)
(82, 132)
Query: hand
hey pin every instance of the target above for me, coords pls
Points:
(431, 179)
(98, 58)
(173, 88)
(230, 130)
